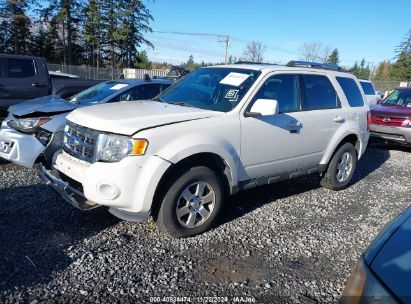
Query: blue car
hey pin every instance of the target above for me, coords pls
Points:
(383, 274)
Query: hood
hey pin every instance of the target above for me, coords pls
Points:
(130, 117)
(392, 264)
(47, 105)
(398, 111)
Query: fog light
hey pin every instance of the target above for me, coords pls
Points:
(107, 191)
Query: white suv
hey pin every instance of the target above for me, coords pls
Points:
(219, 130)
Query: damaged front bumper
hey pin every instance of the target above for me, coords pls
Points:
(21, 149)
(73, 196)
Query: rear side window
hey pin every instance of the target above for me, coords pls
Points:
(20, 68)
(367, 88)
(284, 89)
(319, 93)
(351, 91)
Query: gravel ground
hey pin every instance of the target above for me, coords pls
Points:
(290, 242)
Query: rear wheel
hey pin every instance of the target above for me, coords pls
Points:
(341, 168)
(192, 203)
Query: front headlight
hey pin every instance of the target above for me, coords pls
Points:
(27, 125)
(113, 148)
(364, 287)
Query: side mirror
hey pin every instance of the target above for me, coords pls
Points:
(263, 107)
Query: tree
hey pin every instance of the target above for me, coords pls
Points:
(361, 70)
(314, 51)
(67, 16)
(254, 52)
(142, 61)
(133, 24)
(405, 46)
(15, 25)
(191, 65)
(401, 69)
(383, 71)
(334, 58)
(93, 32)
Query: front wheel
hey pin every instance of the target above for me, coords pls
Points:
(192, 203)
(341, 168)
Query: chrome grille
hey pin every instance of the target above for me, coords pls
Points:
(80, 142)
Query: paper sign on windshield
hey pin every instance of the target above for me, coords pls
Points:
(119, 86)
(234, 79)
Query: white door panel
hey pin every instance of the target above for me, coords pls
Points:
(319, 127)
(271, 144)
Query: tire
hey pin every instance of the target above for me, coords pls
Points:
(186, 211)
(335, 178)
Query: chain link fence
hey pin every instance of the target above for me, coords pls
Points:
(384, 85)
(88, 72)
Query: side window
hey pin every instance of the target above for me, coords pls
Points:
(20, 68)
(351, 91)
(284, 89)
(319, 93)
(141, 92)
(367, 88)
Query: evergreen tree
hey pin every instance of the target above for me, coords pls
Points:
(383, 71)
(362, 70)
(68, 16)
(15, 26)
(401, 69)
(93, 33)
(334, 57)
(142, 61)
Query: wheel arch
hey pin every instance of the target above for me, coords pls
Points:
(350, 137)
(207, 159)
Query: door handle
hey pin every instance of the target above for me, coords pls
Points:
(339, 119)
(295, 125)
(38, 85)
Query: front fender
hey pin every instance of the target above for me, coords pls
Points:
(184, 147)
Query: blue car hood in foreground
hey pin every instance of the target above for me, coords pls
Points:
(47, 105)
(392, 263)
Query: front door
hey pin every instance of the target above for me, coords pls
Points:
(273, 144)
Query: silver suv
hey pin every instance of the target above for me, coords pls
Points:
(219, 130)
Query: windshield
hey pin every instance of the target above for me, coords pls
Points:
(216, 89)
(399, 98)
(99, 92)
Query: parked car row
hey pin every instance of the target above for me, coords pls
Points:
(174, 151)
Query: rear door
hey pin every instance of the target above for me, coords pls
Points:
(24, 79)
(324, 115)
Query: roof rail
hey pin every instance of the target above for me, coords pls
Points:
(251, 62)
(315, 65)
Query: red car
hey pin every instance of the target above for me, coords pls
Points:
(391, 119)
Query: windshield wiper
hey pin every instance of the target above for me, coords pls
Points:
(182, 103)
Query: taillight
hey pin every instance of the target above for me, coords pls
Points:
(368, 120)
